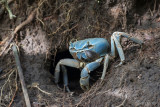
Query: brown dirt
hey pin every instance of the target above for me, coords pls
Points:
(44, 42)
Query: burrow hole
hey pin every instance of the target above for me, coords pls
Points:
(73, 73)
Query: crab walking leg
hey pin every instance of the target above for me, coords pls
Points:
(67, 62)
(116, 38)
(113, 51)
(84, 80)
(119, 49)
(106, 62)
(118, 34)
(65, 77)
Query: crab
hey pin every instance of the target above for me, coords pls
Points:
(89, 54)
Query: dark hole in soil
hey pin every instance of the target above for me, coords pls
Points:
(143, 5)
(30, 2)
(73, 73)
(131, 80)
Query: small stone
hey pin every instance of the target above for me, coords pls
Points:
(139, 76)
(151, 57)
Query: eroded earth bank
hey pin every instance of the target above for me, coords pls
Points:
(45, 39)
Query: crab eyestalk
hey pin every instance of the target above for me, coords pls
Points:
(84, 83)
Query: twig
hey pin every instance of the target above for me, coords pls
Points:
(154, 7)
(67, 20)
(6, 3)
(39, 5)
(7, 45)
(122, 104)
(15, 92)
(122, 78)
(1, 43)
(151, 12)
(29, 19)
(36, 86)
(125, 18)
(15, 52)
(3, 29)
(43, 91)
(62, 5)
(68, 30)
(4, 85)
(103, 92)
(11, 15)
(3, 76)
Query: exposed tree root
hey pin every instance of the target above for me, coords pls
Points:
(35, 85)
(29, 19)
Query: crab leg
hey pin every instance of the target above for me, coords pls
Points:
(130, 38)
(120, 51)
(115, 38)
(113, 51)
(65, 77)
(106, 62)
(84, 80)
(65, 62)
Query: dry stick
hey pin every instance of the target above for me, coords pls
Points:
(154, 7)
(15, 92)
(4, 76)
(1, 43)
(122, 79)
(36, 86)
(4, 85)
(125, 18)
(122, 104)
(67, 20)
(29, 19)
(15, 52)
(68, 30)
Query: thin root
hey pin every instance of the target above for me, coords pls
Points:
(122, 104)
(14, 92)
(36, 85)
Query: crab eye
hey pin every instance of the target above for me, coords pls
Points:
(88, 45)
(73, 49)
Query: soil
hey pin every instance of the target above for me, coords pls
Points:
(44, 41)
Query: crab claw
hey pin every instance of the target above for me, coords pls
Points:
(84, 83)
